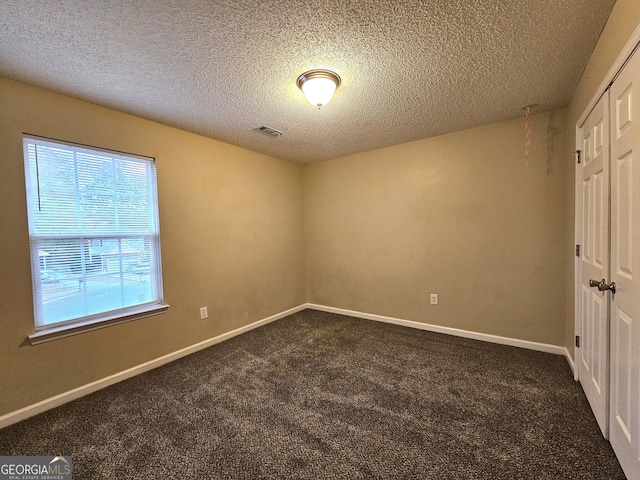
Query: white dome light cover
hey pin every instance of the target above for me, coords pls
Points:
(318, 86)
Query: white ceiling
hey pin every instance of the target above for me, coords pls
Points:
(221, 68)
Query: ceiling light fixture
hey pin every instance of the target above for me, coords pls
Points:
(318, 86)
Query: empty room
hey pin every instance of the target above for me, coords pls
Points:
(361, 239)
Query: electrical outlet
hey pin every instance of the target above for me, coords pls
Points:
(433, 299)
(204, 313)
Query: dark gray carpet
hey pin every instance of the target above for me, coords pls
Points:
(317, 395)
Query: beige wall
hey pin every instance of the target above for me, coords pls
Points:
(231, 233)
(622, 22)
(459, 215)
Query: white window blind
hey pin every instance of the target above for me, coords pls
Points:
(94, 232)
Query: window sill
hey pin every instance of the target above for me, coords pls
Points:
(61, 331)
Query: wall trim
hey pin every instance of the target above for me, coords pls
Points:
(485, 337)
(571, 363)
(621, 60)
(65, 397)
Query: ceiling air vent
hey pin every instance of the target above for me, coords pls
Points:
(269, 130)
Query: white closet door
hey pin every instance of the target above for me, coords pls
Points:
(593, 354)
(624, 419)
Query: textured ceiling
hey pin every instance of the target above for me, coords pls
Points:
(410, 69)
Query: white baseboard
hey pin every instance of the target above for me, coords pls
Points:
(485, 337)
(57, 400)
(83, 390)
(571, 363)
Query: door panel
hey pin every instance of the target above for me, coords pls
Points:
(600, 220)
(621, 369)
(593, 354)
(595, 335)
(623, 208)
(625, 234)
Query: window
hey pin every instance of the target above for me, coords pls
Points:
(94, 235)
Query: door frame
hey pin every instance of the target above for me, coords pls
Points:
(624, 56)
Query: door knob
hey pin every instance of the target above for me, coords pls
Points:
(603, 285)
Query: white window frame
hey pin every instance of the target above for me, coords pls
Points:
(49, 331)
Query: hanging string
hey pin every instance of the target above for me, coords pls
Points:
(527, 135)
